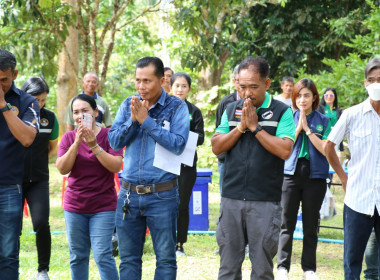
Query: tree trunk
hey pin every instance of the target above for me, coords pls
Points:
(67, 76)
(211, 77)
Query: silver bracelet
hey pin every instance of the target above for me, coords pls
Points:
(94, 146)
(100, 150)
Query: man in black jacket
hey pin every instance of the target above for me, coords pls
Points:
(236, 95)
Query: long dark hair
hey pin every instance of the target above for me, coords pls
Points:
(335, 104)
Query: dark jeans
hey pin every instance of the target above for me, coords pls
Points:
(185, 187)
(372, 258)
(37, 196)
(10, 230)
(295, 189)
(357, 229)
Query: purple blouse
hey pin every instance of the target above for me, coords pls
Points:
(91, 187)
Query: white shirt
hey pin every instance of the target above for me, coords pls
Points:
(361, 125)
(284, 100)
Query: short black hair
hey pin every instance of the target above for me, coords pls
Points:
(155, 61)
(84, 97)
(7, 60)
(35, 86)
(180, 74)
(258, 64)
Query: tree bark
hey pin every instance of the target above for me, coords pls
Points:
(211, 77)
(67, 75)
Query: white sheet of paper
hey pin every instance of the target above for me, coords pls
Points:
(170, 162)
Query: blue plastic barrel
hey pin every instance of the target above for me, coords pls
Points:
(198, 206)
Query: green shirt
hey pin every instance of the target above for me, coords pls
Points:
(285, 128)
(331, 115)
(304, 151)
(55, 131)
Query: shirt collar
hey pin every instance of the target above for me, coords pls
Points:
(367, 106)
(14, 89)
(95, 94)
(267, 101)
(160, 100)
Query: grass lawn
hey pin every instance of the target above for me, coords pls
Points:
(200, 262)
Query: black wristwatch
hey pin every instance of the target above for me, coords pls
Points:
(258, 128)
(6, 108)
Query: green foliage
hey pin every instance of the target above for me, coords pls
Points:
(347, 73)
(25, 23)
(290, 36)
(347, 76)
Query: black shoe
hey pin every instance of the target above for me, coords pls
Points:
(179, 250)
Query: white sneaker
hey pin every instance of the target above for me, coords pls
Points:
(282, 274)
(42, 275)
(310, 275)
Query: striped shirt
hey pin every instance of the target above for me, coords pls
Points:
(361, 125)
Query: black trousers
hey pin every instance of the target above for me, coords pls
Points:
(37, 196)
(295, 189)
(186, 183)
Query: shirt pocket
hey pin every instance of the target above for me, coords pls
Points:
(361, 138)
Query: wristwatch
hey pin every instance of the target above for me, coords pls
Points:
(258, 128)
(6, 108)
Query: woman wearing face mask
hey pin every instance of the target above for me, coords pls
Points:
(90, 197)
(305, 176)
(35, 186)
(181, 86)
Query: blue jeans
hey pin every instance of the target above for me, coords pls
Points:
(357, 229)
(372, 259)
(159, 212)
(10, 230)
(86, 231)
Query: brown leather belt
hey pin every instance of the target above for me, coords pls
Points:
(145, 189)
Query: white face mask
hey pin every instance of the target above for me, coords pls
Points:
(374, 91)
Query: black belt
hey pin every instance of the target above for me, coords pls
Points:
(145, 189)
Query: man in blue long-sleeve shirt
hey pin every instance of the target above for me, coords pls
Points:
(149, 197)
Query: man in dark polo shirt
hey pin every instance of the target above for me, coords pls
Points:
(19, 114)
(257, 134)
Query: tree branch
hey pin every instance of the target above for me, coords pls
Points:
(149, 9)
(26, 30)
